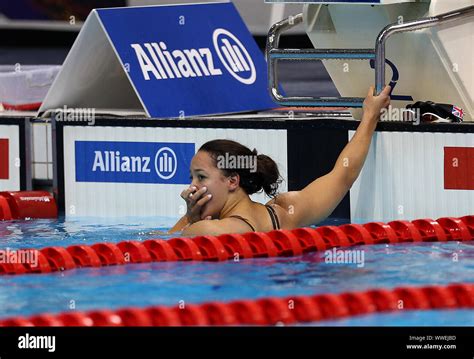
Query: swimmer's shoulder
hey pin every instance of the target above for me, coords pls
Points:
(284, 206)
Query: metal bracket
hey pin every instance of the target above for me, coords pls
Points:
(273, 54)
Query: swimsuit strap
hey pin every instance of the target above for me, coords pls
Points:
(245, 220)
(274, 217)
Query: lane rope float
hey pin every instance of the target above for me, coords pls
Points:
(27, 204)
(267, 311)
(248, 245)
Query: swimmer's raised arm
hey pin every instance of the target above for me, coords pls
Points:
(319, 199)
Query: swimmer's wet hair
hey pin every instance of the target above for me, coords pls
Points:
(266, 177)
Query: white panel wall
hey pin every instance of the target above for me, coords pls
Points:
(42, 161)
(403, 178)
(136, 199)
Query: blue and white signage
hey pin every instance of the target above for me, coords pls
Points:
(141, 171)
(192, 59)
(133, 162)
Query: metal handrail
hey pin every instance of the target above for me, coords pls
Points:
(419, 24)
(273, 54)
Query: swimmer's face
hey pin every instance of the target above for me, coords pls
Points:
(204, 173)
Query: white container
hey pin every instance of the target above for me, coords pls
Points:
(25, 87)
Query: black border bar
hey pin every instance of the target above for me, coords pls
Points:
(248, 342)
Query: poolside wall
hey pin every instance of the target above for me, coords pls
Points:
(415, 174)
(410, 172)
(121, 197)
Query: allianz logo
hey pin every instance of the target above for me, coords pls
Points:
(158, 61)
(165, 163)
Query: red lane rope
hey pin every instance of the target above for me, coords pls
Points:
(27, 204)
(22, 107)
(267, 311)
(249, 245)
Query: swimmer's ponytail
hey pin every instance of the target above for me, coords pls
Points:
(267, 175)
(263, 176)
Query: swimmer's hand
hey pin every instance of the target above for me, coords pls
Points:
(195, 200)
(373, 105)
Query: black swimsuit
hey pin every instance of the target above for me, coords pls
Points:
(273, 217)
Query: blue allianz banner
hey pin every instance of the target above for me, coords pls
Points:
(133, 162)
(192, 59)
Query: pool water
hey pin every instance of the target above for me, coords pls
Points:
(383, 266)
(41, 233)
